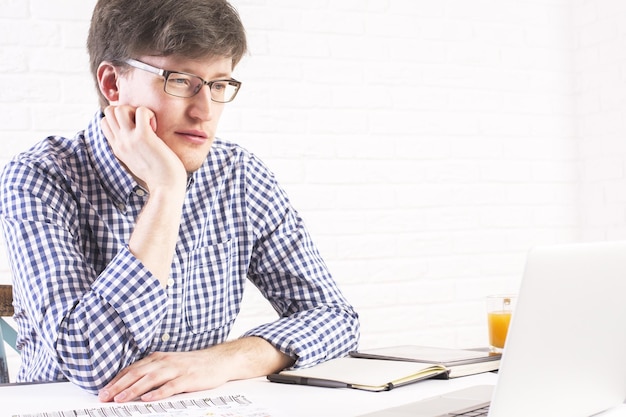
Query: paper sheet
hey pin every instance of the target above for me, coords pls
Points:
(225, 406)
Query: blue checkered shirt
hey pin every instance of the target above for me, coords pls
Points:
(86, 307)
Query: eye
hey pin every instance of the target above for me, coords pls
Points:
(179, 80)
(219, 86)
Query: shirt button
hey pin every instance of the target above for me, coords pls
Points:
(165, 337)
(140, 192)
(170, 282)
(121, 207)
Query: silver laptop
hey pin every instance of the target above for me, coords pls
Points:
(565, 353)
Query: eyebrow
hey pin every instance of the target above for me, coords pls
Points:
(217, 76)
(222, 75)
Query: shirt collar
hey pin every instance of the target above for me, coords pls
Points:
(117, 182)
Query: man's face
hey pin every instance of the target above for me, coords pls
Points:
(186, 125)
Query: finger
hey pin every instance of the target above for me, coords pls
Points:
(125, 117)
(119, 383)
(110, 125)
(135, 391)
(138, 368)
(164, 391)
(136, 379)
(106, 129)
(145, 119)
(110, 117)
(113, 388)
(131, 386)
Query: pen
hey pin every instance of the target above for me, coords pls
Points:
(300, 380)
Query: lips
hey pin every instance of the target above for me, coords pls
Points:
(195, 136)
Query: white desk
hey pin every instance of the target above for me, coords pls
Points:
(281, 400)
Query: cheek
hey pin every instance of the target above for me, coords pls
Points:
(162, 123)
(137, 92)
(163, 115)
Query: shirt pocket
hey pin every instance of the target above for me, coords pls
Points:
(207, 295)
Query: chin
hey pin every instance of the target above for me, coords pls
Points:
(192, 161)
(192, 166)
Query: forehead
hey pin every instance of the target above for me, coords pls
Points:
(208, 67)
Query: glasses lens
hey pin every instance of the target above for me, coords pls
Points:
(182, 85)
(188, 85)
(223, 91)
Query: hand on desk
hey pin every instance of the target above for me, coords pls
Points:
(163, 374)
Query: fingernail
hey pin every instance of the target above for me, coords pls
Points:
(120, 397)
(104, 395)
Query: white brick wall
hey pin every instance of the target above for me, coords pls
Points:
(428, 144)
(600, 87)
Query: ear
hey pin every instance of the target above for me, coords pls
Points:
(108, 76)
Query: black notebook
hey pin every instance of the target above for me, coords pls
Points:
(458, 362)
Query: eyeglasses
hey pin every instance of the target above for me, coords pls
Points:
(182, 84)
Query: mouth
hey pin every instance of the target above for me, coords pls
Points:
(194, 136)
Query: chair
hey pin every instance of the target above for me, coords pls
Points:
(7, 333)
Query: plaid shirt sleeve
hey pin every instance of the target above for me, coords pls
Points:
(108, 327)
(316, 321)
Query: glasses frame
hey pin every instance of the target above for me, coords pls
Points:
(166, 74)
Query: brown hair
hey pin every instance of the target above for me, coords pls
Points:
(122, 29)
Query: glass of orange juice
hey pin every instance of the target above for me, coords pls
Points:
(499, 311)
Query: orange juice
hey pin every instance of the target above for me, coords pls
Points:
(498, 322)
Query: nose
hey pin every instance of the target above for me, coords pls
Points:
(201, 105)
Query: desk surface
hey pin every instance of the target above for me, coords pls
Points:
(280, 400)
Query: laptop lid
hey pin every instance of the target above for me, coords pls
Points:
(566, 348)
(565, 353)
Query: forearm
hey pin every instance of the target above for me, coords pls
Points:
(313, 335)
(163, 374)
(249, 357)
(131, 134)
(154, 238)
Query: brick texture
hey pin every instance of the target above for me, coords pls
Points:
(427, 144)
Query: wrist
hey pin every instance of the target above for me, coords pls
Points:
(250, 357)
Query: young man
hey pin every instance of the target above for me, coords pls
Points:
(132, 242)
